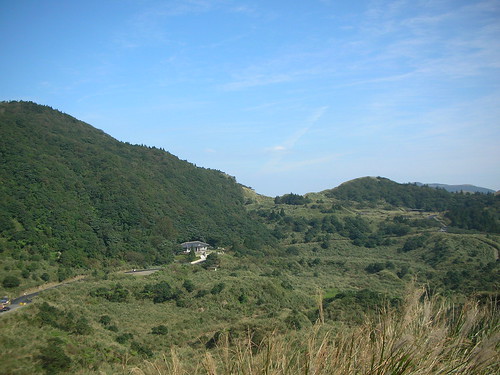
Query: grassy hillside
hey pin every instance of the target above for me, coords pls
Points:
(322, 283)
(73, 197)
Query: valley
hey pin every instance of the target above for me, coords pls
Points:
(298, 273)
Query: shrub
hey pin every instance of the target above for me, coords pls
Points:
(11, 282)
(105, 320)
(124, 337)
(188, 285)
(217, 288)
(52, 357)
(159, 330)
(141, 349)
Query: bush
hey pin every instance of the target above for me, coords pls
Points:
(189, 286)
(212, 261)
(141, 349)
(217, 288)
(11, 282)
(159, 330)
(116, 294)
(292, 199)
(413, 243)
(52, 357)
(124, 337)
(374, 267)
(105, 320)
(160, 292)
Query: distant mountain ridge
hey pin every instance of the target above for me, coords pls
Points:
(466, 188)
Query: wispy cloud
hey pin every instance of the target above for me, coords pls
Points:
(292, 140)
(280, 153)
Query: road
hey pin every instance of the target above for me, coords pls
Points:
(142, 272)
(27, 298)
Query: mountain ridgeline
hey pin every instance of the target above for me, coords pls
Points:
(70, 192)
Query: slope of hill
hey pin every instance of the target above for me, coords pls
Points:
(73, 197)
(72, 194)
(477, 212)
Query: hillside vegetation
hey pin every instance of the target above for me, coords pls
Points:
(372, 277)
(75, 197)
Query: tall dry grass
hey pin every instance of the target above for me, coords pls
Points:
(424, 336)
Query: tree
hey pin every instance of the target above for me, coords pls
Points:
(11, 282)
(53, 358)
(212, 261)
(217, 288)
(159, 330)
(292, 199)
(188, 285)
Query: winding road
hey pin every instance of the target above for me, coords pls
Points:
(27, 298)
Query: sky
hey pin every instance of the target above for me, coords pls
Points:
(287, 96)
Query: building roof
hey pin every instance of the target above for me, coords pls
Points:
(194, 244)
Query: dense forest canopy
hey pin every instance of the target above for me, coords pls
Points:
(71, 192)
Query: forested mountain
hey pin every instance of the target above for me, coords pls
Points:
(467, 211)
(71, 193)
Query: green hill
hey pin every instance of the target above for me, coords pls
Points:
(338, 275)
(466, 211)
(72, 194)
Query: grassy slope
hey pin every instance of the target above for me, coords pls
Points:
(323, 277)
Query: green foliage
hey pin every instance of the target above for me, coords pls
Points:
(370, 189)
(115, 294)
(218, 288)
(292, 199)
(354, 306)
(11, 282)
(160, 292)
(141, 349)
(212, 260)
(476, 212)
(73, 195)
(52, 357)
(66, 321)
(189, 286)
(297, 320)
(159, 330)
(105, 320)
(124, 338)
(413, 243)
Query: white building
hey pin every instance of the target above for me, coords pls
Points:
(197, 246)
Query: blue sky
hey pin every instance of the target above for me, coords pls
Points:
(285, 96)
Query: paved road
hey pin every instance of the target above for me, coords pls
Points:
(143, 272)
(23, 300)
(27, 298)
